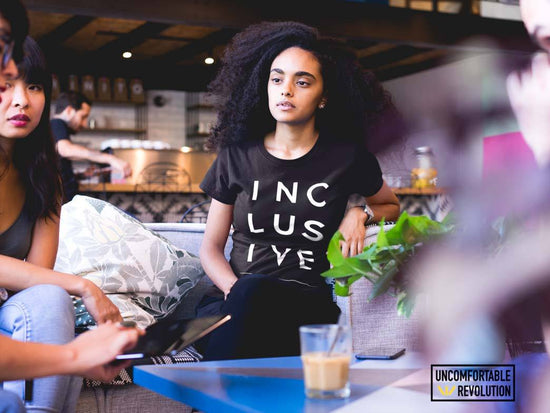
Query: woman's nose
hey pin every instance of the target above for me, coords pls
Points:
(19, 99)
(286, 91)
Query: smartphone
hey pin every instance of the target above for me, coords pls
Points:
(380, 353)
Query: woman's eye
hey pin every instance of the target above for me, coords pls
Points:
(302, 83)
(276, 80)
(8, 85)
(36, 88)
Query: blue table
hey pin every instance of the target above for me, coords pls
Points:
(273, 385)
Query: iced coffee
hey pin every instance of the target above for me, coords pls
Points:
(326, 356)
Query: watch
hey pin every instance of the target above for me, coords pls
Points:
(367, 210)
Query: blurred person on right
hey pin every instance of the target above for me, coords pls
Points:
(529, 90)
(489, 292)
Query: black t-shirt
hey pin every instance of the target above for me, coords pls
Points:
(60, 131)
(286, 211)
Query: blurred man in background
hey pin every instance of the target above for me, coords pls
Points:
(72, 110)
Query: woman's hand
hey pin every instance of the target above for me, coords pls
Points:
(352, 228)
(98, 305)
(96, 348)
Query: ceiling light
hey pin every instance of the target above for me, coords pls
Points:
(209, 60)
(126, 55)
(186, 149)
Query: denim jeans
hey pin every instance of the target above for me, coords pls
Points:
(10, 403)
(44, 314)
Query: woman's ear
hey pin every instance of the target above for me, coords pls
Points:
(323, 103)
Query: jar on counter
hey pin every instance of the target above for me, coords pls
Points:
(424, 175)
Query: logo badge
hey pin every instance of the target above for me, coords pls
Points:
(473, 382)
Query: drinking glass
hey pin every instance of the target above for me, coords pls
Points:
(326, 357)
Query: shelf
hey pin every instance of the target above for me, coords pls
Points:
(200, 107)
(114, 130)
(142, 188)
(419, 191)
(118, 103)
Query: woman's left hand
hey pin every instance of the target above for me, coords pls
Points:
(352, 228)
(98, 305)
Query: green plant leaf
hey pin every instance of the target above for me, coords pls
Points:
(341, 286)
(405, 304)
(339, 271)
(334, 252)
(384, 282)
(381, 239)
(380, 262)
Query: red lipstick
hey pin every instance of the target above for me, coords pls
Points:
(19, 120)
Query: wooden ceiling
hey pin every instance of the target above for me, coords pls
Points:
(169, 39)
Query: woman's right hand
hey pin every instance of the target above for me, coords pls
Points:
(96, 348)
(98, 305)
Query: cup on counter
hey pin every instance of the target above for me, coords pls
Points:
(326, 357)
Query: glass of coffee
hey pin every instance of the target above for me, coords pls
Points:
(326, 357)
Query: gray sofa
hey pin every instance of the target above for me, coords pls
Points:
(374, 323)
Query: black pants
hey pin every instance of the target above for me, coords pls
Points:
(265, 315)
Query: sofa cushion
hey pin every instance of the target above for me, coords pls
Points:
(142, 272)
(189, 236)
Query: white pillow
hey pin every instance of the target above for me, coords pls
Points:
(140, 271)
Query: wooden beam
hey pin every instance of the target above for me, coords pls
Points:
(64, 31)
(397, 53)
(131, 39)
(334, 18)
(377, 48)
(424, 61)
(196, 47)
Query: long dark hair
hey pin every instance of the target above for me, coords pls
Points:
(34, 157)
(15, 13)
(356, 100)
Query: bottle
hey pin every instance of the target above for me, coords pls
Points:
(424, 175)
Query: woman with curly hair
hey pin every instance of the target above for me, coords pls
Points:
(295, 111)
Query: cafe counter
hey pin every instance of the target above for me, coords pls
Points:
(170, 203)
(163, 186)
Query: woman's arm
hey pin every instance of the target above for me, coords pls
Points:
(16, 275)
(212, 248)
(87, 355)
(384, 204)
(45, 239)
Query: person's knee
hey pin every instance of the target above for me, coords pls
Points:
(10, 402)
(51, 300)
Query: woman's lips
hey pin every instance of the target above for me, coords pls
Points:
(19, 120)
(285, 105)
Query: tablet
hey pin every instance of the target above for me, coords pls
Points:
(171, 336)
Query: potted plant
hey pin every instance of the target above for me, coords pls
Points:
(381, 261)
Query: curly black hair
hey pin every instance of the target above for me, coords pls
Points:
(357, 103)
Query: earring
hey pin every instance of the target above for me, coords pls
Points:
(321, 105)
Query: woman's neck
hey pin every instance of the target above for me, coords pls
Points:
(291, 142)
(7, 147)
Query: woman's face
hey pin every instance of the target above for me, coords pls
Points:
(21, 108)
(10, 70)
(295, 87)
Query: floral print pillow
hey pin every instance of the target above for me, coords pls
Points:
(144, 274)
